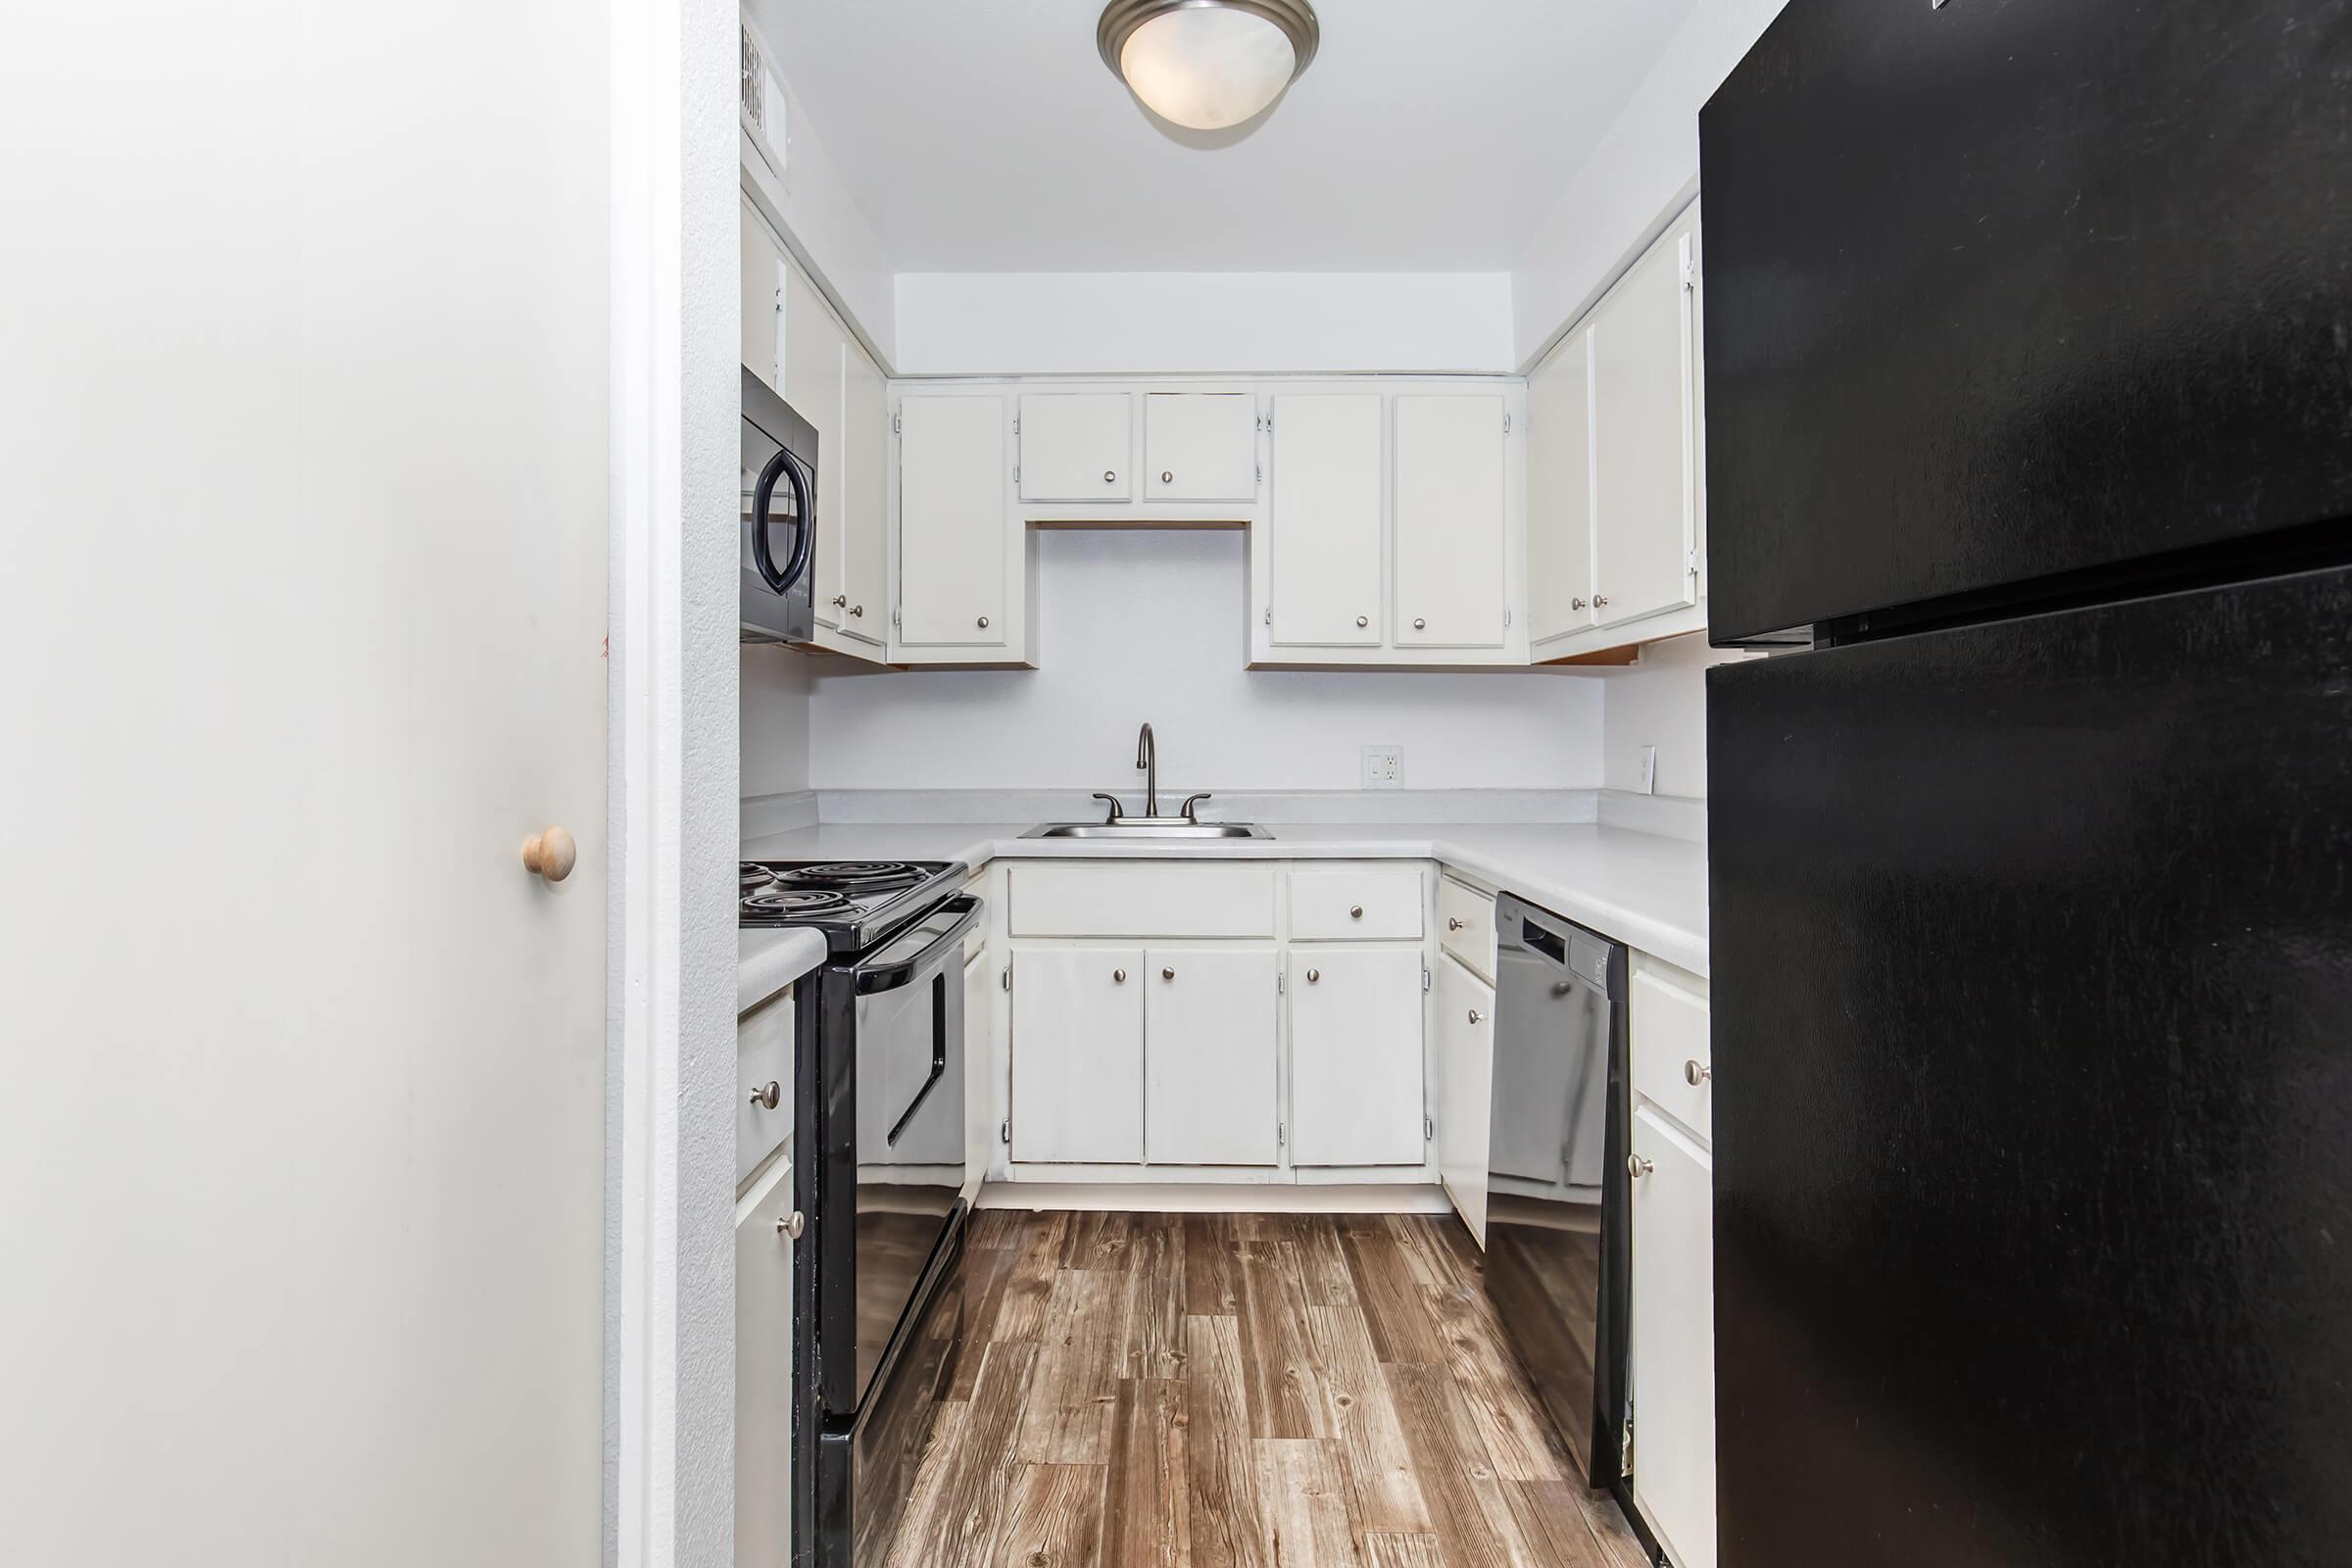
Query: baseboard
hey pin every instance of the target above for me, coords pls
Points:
(1204, 1198)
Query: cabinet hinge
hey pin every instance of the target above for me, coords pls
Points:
(1016, 425)
(897, 424)
(1278, 985)
(1429, 1130)
(1625, 1445)
(1280, 1133)
(1006, 982)
(1506, 614)
(1017, 473)
(1689, 273)
(1004, 1131)
(1425, 977)
(1506, 424)
(1261, 474)
(1691, 564)
(1269, 615)
(894, 618)
(1265, 424)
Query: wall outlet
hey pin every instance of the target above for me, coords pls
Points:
(1384, 767)
(1649, 770)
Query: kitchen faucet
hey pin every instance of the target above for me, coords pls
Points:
(1146, 760)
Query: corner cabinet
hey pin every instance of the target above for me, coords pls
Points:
(961, 550)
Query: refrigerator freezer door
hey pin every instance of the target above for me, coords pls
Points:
(2033, 1044)
(2002, 291)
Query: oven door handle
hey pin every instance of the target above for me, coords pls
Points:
(939, 1069)
(892, 974)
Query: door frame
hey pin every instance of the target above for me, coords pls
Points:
(671, 766)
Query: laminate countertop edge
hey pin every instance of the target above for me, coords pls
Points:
(768, 960)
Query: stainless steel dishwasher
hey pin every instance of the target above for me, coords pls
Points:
(1558, 1252)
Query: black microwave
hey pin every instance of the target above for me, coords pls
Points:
(778, 518)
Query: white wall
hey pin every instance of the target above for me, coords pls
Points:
(1644, 170)
(1661, 701)
(1153, 625)
(1120, 324)
(772, 719)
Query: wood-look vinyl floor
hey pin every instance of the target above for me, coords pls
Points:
(1240, 1390)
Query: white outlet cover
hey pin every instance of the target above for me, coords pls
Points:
(1384, 767)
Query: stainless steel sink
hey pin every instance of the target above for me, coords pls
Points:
(1147, 830)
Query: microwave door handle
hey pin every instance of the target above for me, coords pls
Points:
(938, 1060)
(781, 466)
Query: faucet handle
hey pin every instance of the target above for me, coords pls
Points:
(1193, 800)
(1116, 810)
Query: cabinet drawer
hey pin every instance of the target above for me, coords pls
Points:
(1142, 900)
(1669, 1045)
(762, 1056)
(1337, 905)
(1466, 925)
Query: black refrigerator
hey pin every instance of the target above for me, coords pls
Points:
(2028, 441)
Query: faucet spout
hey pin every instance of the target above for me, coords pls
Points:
(1147, 762)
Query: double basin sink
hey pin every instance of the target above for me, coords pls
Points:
(1147, 830)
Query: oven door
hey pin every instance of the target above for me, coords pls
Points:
(778, 479)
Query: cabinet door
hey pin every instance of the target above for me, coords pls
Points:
(1450, 533)
(1462, 1007)
(1355, 1058)
(1559, 491)
(1078, 1056)
(813, 351)
(1324, 521)
(953, 459)
(764, 1371)
(1674, 1340)
(862, 478)
(761, 263)
(1200, 446)
(979, 995)
(1645, 462)
(1074, 446)
(1209, 1081)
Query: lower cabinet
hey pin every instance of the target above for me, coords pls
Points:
(1211, 1056)
(1673, 1339)
(1355, 1056)
(1462, 1009)
(764, 1369)
(1078, 1056)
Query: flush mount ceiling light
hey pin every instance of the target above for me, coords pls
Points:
(1208, 64)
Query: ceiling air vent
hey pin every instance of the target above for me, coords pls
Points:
(753, 90)
(762, 99)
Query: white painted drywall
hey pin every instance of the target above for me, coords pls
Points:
(1660, 701)
(773, 720)
(1644, 168)
(1153, 625)
(1119, 323)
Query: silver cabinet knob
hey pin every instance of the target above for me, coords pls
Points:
(1313, 975)
(1356, 911)
(1167, 476)
(1419, 624)
(857, 610)
(792, 1225)
(1167, 974)
(1637, 1167)
(1576, 604)
(1363, 620)
(1118, 977)
(983, 622)
(1599, 600)
(840, 600)
(1110, 477)
(1452, 924)
(767, 1099)
(1696, 1073)
(1476, 1017)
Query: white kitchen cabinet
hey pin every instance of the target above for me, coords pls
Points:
(1674, 1338)
(1211, 1054)
(813, 347)
(1466, 925)
(1462, 1011)
(1200, 446)
(761, 269)
(957, 542)
(1075, 446)
(1324, 524)
(764, 1040)
(1355, 1056)
(1450, 524)
(763, 1370)
(861, 478)
(1078, 1056)
(1559, 491)
(1645, 451)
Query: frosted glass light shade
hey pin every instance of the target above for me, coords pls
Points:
(1208, 64)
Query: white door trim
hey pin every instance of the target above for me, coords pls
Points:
(671, 786)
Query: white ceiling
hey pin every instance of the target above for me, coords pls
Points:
(984, 135)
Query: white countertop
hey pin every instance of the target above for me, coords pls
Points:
(1647, 891)
(768, 960)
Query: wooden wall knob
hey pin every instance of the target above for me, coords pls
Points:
(553, 854)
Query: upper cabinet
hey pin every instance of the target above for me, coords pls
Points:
(962, 595)
(1076, 447)
(1616, 492)
(1451, 555)
(762, 278)
(1200, 446)
(812, 353)
(1323, 528)
(863, 474)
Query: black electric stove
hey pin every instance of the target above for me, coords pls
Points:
(880, 1155)
(856, 903)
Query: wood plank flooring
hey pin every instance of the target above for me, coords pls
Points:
(1240, 1390)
